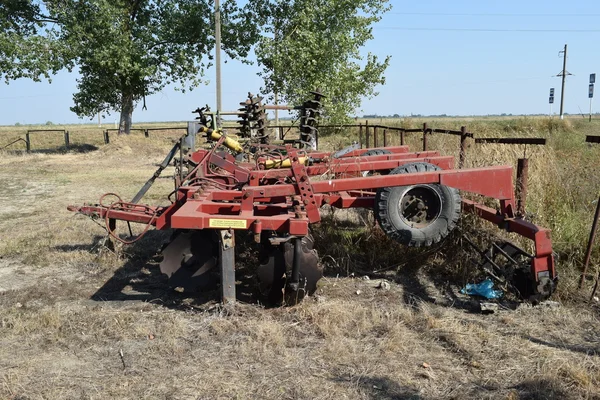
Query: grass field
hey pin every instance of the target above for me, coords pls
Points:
(78, 321)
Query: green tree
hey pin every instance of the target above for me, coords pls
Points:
(310, 44)
(124, 49)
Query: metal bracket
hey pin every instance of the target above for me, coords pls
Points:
(227, 265)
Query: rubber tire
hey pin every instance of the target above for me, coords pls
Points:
(395, 227)
(375, 152)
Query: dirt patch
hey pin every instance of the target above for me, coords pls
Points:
(16, 276)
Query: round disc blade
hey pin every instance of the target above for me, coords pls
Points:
(276, 267)
(189, 261)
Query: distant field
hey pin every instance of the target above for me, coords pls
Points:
(78, 321)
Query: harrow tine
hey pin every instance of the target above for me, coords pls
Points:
(508, 257)
(484, 255)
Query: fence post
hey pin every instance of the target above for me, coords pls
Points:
(360, 141)
(106, 138)
(67, 142)
(463, 146)
(27, 142)
(367, 134)
(402, 137)
(281, 133)
(146, 134)
(385, 138)
(375, 140)
(522, 173)
(425, 136)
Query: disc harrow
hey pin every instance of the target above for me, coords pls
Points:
(276, 192)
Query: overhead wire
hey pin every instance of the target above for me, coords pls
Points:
(425, 29)
(525, 15)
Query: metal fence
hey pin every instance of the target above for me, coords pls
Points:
(66, 136)
(369, 136)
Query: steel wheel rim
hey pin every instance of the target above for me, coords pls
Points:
(420, 206)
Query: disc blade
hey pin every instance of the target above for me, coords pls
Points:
(276, 266)
(189, 261)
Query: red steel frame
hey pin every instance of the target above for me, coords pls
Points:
(268, 203)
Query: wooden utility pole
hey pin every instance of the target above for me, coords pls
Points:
(218, 53)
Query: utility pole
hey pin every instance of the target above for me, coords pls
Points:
(277, 111)
(276, 90)
(218, 56)
(564, 73)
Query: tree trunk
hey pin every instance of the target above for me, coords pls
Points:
(126, 113)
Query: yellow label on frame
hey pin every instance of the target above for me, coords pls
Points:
(227, 223)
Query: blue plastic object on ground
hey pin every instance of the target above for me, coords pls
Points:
(483, 289)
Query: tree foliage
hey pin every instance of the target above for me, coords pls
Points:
(28, 46)
(127, 49)
(310, 44)
(124, 49)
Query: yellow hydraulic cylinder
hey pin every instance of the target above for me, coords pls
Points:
(230, 143)
(286, 163)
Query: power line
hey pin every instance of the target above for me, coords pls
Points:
(400, 28)
(29, 97)
(493, 14)
(456, 83)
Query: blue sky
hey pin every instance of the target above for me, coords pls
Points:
(448, 57)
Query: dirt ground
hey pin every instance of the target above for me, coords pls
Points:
(78, 321)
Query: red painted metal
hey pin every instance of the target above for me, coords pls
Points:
(222, 193)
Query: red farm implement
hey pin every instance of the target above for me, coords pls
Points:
(276, 192)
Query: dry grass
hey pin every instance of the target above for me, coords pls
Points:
(69, 308)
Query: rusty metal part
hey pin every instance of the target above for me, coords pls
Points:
(522, 179)
(279, 107)
(309, 113)
(510, 266)
(227, 265)
(426, 131)
(253, 119)
(534, 141)
(590, 245)
(276, 268)
(13, 142)
(161, 168)
(463, 146)
(189, 260)
(420, 206)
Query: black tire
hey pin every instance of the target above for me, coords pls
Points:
(375, 152)
(417, 215)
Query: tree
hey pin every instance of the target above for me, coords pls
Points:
(124, 49)
(27, 49)
(315, 44)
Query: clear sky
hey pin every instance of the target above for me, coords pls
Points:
(448, 57)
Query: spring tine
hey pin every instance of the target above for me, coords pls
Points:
(505, 254)
(486, 258)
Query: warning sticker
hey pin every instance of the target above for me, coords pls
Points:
(227, 223)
